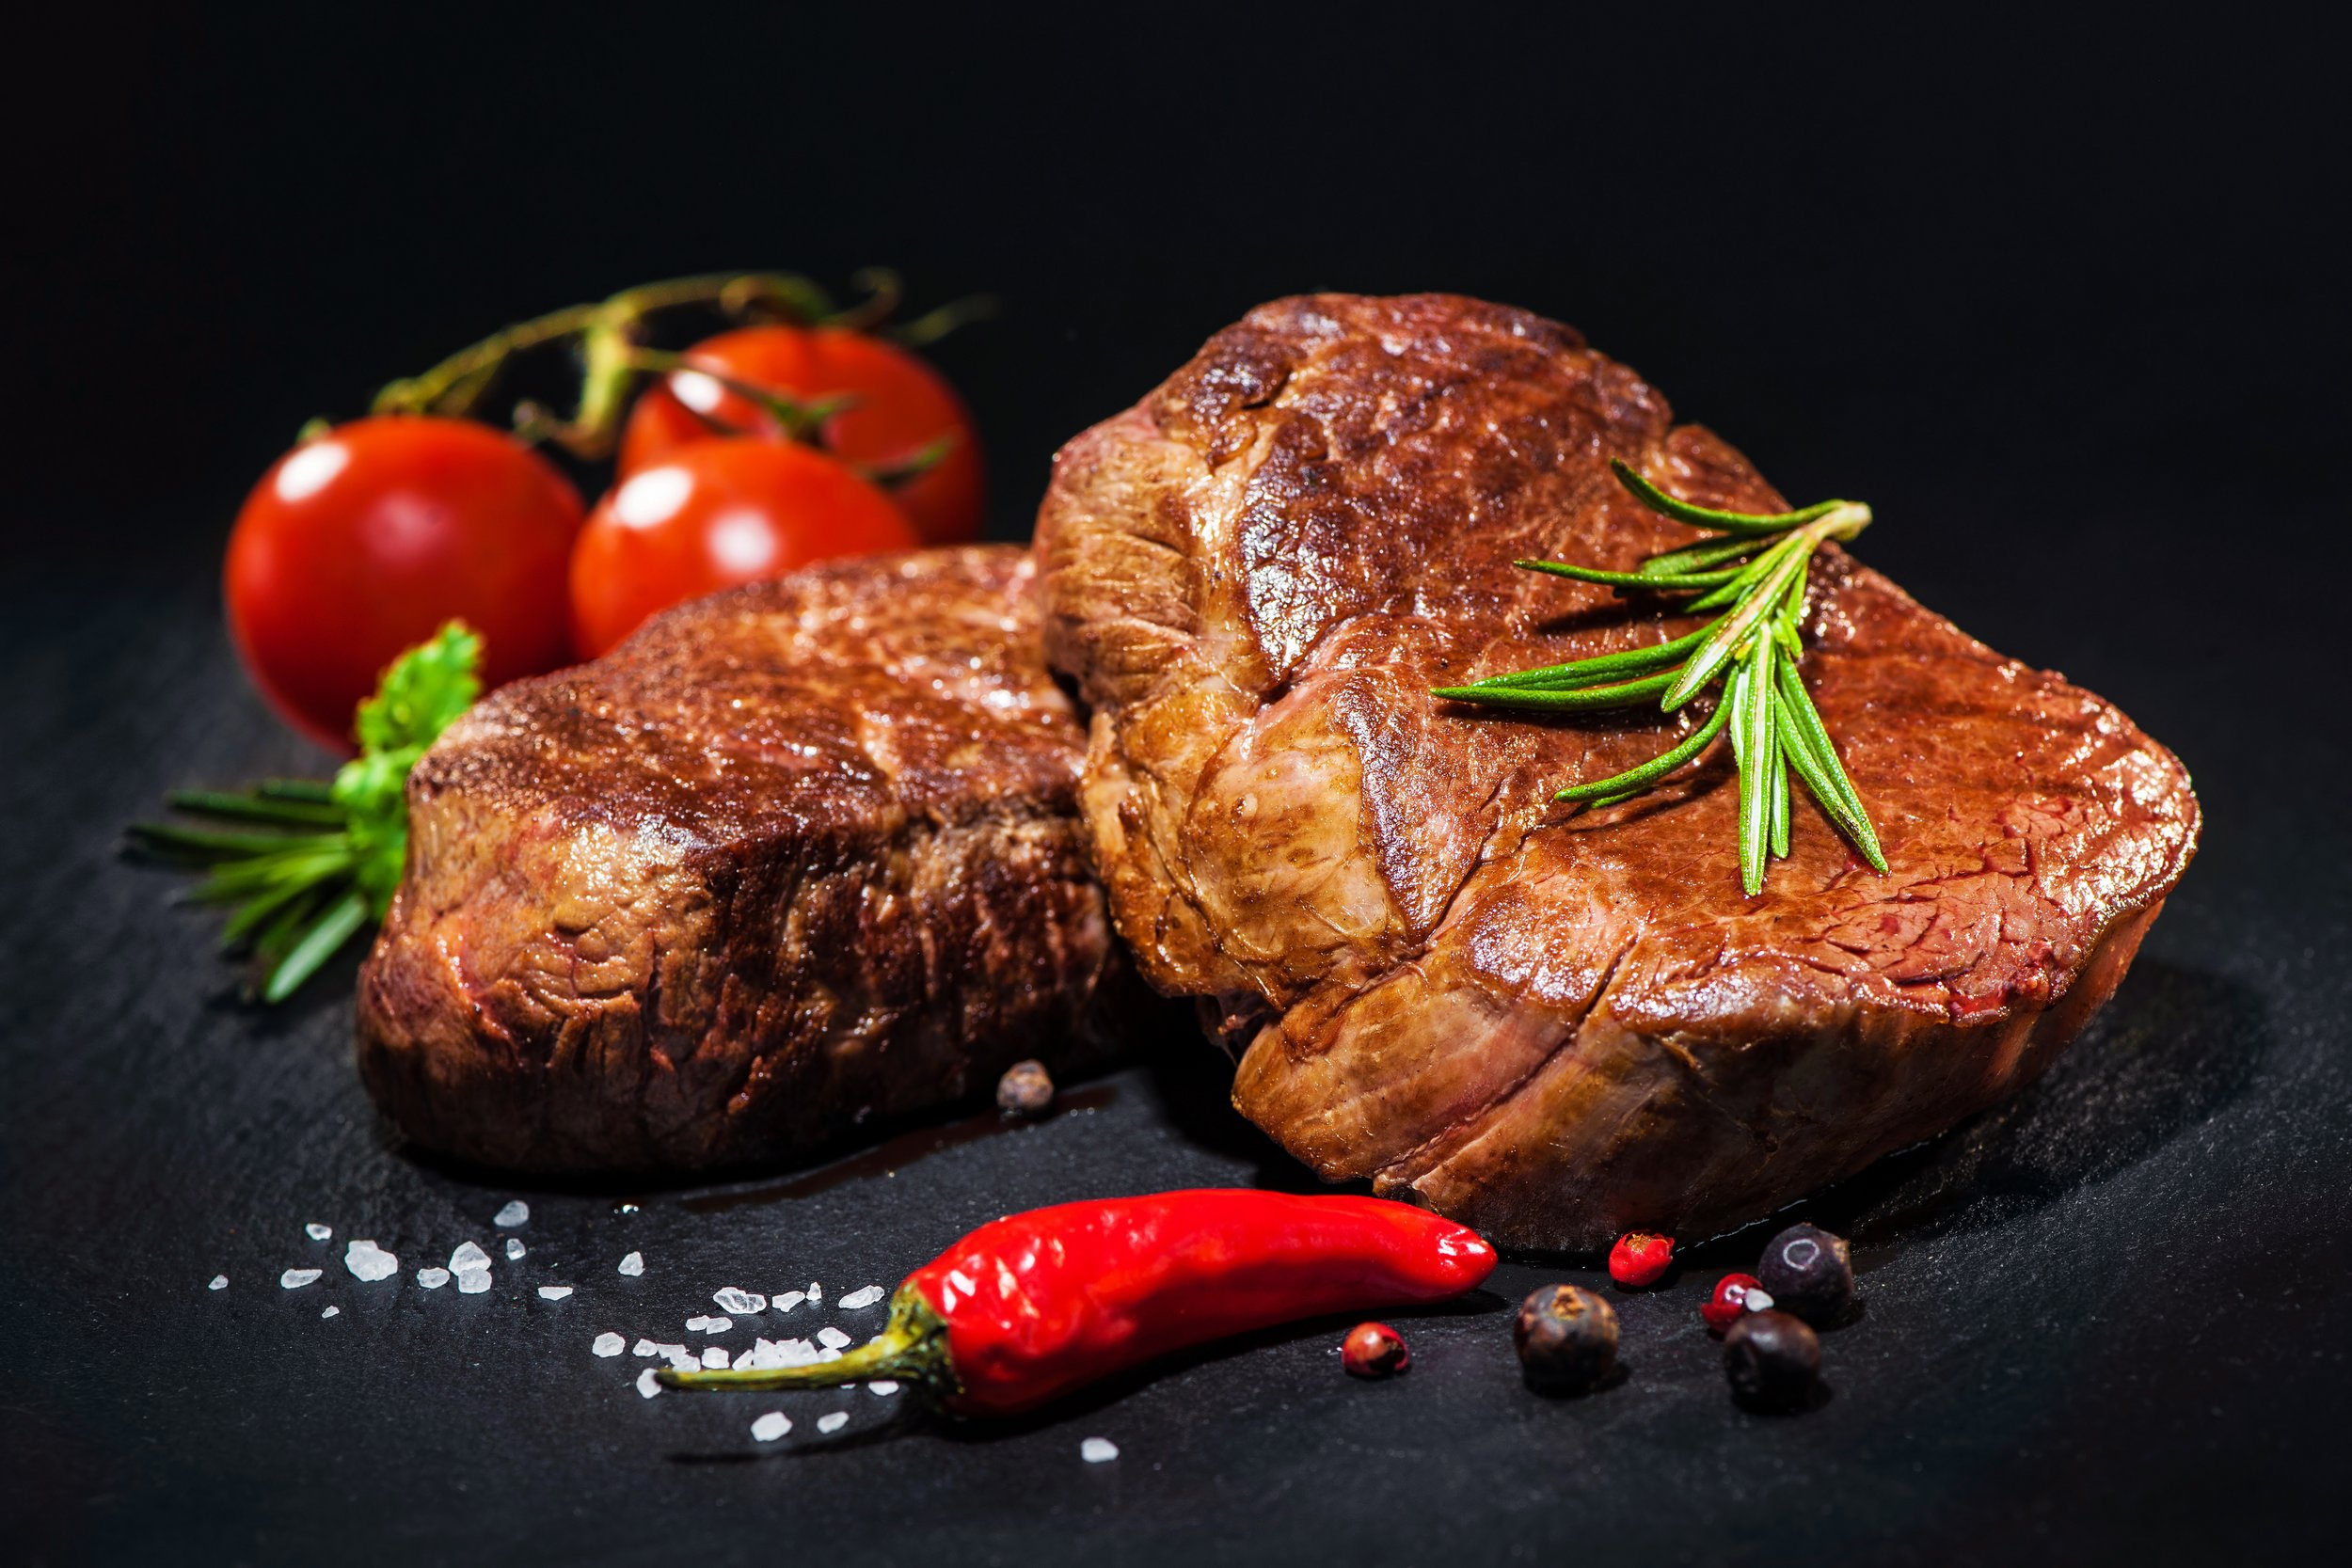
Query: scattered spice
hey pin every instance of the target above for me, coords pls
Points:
(1808, 1273)
(1566, 1339)
(1026, 1089)
(1375, 1351)
(1640, 1258)
(1735, 1294)
(1773, 1359)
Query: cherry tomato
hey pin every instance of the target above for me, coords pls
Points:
(903, 405)
(358, 544)
(713, 515)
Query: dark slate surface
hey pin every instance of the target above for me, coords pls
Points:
(2113, 1313)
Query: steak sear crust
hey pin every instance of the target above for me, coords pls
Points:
(793, 856)
(1553, 1025)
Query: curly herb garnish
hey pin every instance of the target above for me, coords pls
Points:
(1754, 570)
(321, 862)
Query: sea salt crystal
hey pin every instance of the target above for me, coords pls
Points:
(220, 1282)
(816, 1292)
(369, 1262)
(742, 1303)
(644, 1347)
(294, 1279)
(700, 1325)
(330, 1311)
(468, 1257)
(318, 1233)
(831, 1338)
(790, 1298)
(609, 1344)
(633, 1265)
(432, 1280)
(646, 1384)
(679, 1356)
(1097, 1450)
(514, 1249)
(472, 1282)
(833, 1422)
(866, 1297)
(770, 1426)
(799, 1352)
(515, 1213)
(883, 1385)
(715, 1357)
(554, 1293)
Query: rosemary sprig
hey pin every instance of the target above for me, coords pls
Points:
(1756, 571)
(311, 864)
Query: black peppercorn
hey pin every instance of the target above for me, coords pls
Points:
(1773, 1359)
(1566, 1340)
(1025, 1090)
(1805, 1271)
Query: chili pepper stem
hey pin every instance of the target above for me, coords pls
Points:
(911, 1347)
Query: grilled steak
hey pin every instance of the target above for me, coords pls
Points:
(1554, 1027)
(792, 856)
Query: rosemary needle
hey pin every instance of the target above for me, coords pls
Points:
(311, 864)
(1756, 571)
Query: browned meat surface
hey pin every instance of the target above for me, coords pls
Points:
(791, 857)
(1552, 1026)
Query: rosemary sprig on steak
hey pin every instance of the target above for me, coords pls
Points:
(314, 864)
(1754, 569)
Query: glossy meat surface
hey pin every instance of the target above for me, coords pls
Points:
(1552, 1025)
(792, 857)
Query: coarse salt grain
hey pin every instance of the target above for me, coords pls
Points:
(634, 1264)
(554, 1293)
(1097, 1450)
(369, 1262)
(646, 1384)
(833, 1422)
(318, 1233)
(816, 1291)
(294, 1279)
(790, 1298)
(740, 1303)
(831, 1338)
(514, 1249)
(883, 1385)
(704, 1325)
(472, 1282)
(679, 1356)
(715, 1357)
(515, 1213)
(609, 1344)
(220, 1282)
(770, 1426)
(468, 1257)
(330, 1311)
(644, 1347)
(866, 1297)
(432, 1280)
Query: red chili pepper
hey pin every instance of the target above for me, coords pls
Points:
(1038, 1304)
(1640, 1258)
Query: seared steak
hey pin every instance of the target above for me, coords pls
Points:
(1554, 1027)
(792, 856)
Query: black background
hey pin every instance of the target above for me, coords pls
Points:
(2063, 302)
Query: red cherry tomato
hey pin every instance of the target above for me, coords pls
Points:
(361, 543)
(713, 515)
(903, 405)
